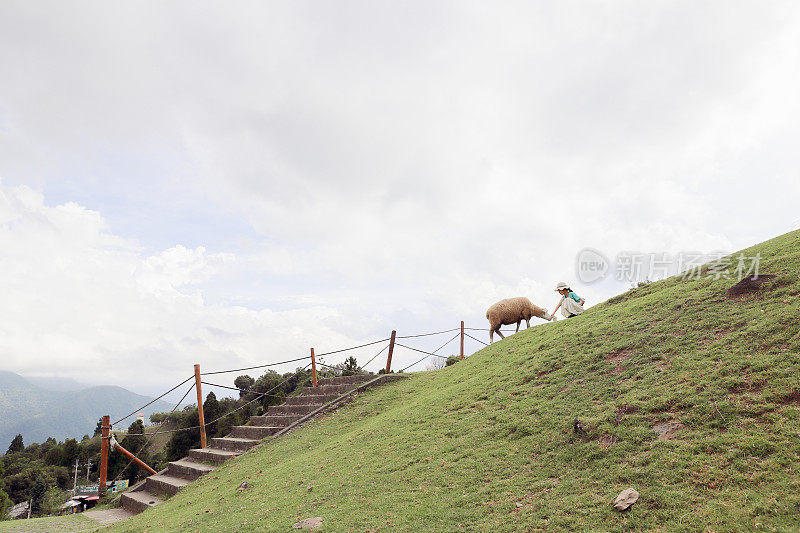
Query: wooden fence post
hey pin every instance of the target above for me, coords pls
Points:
(391, 350)
(462, 339)
(105, 431)
(118, 447)
(202, 418)
(313, 368)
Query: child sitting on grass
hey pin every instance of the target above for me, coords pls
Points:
(571, 304)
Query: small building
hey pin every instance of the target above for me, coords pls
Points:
(18, 511)
(79, 503)
(71, 507)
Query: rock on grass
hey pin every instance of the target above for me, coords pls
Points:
(625, 499)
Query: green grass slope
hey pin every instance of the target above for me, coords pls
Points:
(488, 444)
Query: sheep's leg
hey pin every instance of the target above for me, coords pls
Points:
(527, 323)
(499, 332)
(518, 323)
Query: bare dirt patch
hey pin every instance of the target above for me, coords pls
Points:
(668, 430)
(622, 411)
(617, 358)
(748, 285)
(747, 386)
(722, 332)
(792, 397)
(606, 441)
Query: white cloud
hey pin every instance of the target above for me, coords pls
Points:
(387, 165)
(80, 301)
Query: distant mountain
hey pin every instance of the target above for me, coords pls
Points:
(39, 412)
(60, 384)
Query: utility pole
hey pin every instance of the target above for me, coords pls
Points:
(88, 468)
(75, 482)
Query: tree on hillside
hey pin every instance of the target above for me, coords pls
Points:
(134, 442)
(16, 445)
(54, 456)
(46, 446)
(70, 451)
(37, 495)
(211, 412)
(98, 429)
(183, 440)
(243, 383)
(5, 504)
(5, 501)
(350, 366)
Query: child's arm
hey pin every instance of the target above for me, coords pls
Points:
(556, 309)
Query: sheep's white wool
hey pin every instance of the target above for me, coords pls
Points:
(512, 311)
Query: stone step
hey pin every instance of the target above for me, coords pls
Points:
(233, 444)
(279, 421)
(165, 485)
(297, 409)
(242, 438)
(310, 398)
(342, 380)
(187, 469)
(328, 389)
(211, 455)
(253, 432)
(139, 501)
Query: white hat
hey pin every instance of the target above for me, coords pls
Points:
(562, 286)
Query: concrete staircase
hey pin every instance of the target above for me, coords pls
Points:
(296, 410)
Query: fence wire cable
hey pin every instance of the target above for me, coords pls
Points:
(374, 356)
(253, 367)
(428, 334)
(151, 402)
(352, 348)
(487, 329)
(420, 351)
(426, 356)
(238, 389)
(150, 437)
(359, 370)
(473, 338)
(448, 342)
(261, 395)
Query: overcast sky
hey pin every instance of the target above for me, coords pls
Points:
(234, 183)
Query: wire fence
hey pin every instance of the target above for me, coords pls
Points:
(346, 367)
(253, 367)
(153, 434)
(342, 367)
(154, 400)
(259, 395)
(335, 367)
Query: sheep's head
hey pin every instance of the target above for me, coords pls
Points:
(545, 315)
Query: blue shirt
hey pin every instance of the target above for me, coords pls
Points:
(573, 296)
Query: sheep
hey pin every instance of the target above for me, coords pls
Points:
(512, 310)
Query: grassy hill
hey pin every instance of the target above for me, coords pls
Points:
(37, 413)
(488, 444)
